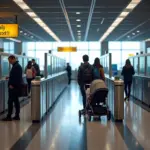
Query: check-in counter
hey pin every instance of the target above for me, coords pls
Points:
(45, 93)
(141, 89)
(116, 98)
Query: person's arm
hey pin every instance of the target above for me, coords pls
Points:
(122, 73)
(79, 76)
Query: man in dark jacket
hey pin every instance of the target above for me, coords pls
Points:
(14, 86)
(36, 66)
(68, 69)
(85, 76)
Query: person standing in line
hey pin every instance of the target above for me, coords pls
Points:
(36, 66)
(98, 70)
(69, 73)
(85, 76)
(30, 74)
(15, 81)
(127, 73)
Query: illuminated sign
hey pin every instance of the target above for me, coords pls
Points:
(130, 55)
(8, 30)
(67, 49)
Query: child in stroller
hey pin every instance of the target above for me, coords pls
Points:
(96, 100)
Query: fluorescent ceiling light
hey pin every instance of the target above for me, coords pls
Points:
(78, 20)
(78, 13)
(78, 26)
(21, 31)
(23, 5)
(128, 36)
(31, 14)
(25, 33)
(35, 17)
(138, 31)
(124, 13)
(133, 33)
(119, 19)
(79, 31)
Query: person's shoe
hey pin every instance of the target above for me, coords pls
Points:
(7, 119)
(16, 118)
(125, 98)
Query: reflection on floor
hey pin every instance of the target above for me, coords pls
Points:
(63, 131)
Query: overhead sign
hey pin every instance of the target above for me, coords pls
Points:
(130, 55)
(67, 49)
(8, 30)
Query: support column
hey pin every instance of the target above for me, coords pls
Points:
(104, 48)
(18, 48)
(1, 46)
(147, 46)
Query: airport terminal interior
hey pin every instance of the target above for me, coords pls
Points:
(49, 34)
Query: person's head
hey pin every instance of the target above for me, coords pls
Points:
(85, 58)
(97, 61)
(29, 65)
(128, 63)
(33, 61)
(67, 64)
(12, 59)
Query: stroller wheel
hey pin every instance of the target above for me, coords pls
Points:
(109, 115)
(89, 117)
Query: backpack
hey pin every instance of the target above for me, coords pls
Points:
(29, 73)
(96, 73)
(88, 74)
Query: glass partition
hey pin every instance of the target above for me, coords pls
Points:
(148, 66)
(136, 66)
(142, 66)
(25, 63)
(5, 66)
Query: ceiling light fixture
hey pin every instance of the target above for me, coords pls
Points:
(14, 40)
(120, 18)
(32, 37)
(78, 20)
(133, 33)
(79, 31)
(128, 36)
(138, 31)
(25, 33)
(78, 13)
(35, 17)
(21, 31)
(78, 26)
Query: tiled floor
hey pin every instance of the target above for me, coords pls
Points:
(62, 129)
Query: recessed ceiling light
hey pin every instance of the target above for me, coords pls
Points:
(32, 37)
(133, 33)
(128, 36)
(25, 33)
(78, 20)
(78, 13)
(79, 31)
(78, 26)
(21, 31)
(138, 31)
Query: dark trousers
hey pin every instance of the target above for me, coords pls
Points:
(13, 98)
(29, 84)
(127, 88)
(82, 89)
(69, 79)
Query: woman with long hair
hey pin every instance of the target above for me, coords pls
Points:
(98, 70)
(127, 73)
(30, 74)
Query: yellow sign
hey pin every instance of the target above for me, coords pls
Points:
(8, 30)
(130, 55)
(67, 49)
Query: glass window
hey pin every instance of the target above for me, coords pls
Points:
(11, 45)
(114, 45)
(43, 46)
(94, 45)
(116, 58)
(93, 55)
(80, 45)
(76, 59)
(6, 46)
(31, 46)
(136, 65)
(31, 53)
(5, 66)
(131, 45)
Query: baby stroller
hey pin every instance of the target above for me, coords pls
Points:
(97, 106)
